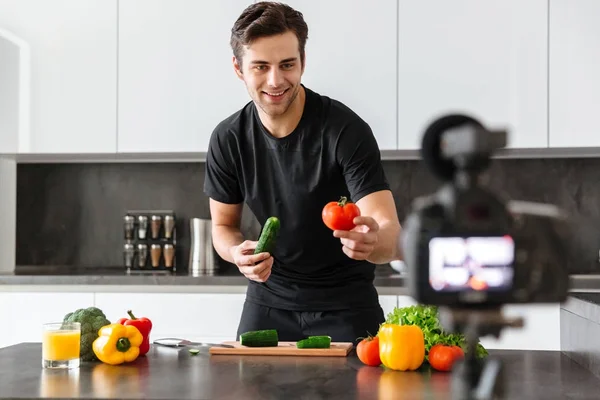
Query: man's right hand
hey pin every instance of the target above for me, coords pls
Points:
(256, 267)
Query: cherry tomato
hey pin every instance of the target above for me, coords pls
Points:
(339, 215)
(442, 357)
(367, 351)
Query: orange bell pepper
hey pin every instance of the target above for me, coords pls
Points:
(401, 347)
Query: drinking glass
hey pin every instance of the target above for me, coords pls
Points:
(61, 345)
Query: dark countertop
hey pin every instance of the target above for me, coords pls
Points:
(385, 276)
(174, 374)
(387, 281)
(593, 298)
(585, 305)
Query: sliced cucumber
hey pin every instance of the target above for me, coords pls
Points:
(262, 338)
(315, 342)
(194, 351)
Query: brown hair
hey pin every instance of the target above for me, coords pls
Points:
(266, 18)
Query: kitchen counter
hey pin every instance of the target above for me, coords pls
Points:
(174, 374)
(580, 330)
(44, 278)
(51, 278)
(593, 298)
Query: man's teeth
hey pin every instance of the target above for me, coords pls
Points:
(275, 94)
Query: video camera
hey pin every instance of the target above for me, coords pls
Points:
(469, 250)
(467, 246)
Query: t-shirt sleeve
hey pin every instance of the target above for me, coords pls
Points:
(358, 155)
(221, 181)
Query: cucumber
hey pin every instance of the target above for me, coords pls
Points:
(263, 338)
(315, 342)
(268, 236)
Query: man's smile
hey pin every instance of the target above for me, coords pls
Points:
(275, 95)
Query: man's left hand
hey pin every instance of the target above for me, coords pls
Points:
(360, 242)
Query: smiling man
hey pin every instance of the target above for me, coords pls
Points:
(287, 153)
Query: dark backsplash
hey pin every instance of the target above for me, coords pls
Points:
(71, 214)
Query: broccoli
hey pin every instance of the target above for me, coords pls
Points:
(91, 320)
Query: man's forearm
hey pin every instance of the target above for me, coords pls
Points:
(388, 244)
(224, 238)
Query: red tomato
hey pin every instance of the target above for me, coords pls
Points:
(368, 351)
(442, 357)
(458, 352)
(339, 215)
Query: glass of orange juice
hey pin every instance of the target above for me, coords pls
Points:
(61, 345)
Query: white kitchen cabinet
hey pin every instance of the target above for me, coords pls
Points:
(73, 46)
(406, 301)
(351, 57)
(176, 77)
(541, 330)
(388, 303)
(23, 313)
(14, 93)
(574, 73)
(194, 316)
(214, 317)
(487, 59)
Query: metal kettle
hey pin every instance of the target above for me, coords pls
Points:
(202, 260)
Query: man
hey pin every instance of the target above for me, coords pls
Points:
(287, 153)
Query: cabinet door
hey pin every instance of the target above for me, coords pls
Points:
(351, 57)
(388, 303)
(541, 330)
(484, 58)
(23, 313)
(14, 56)
(176, 78)
(574, 73)
(73, 47)
(193, 316)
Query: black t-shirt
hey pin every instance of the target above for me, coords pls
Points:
(331, 153)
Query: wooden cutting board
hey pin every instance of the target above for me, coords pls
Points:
(337, 349)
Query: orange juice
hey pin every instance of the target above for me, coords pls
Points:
(60, 345)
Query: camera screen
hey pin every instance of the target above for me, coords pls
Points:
(472, 263)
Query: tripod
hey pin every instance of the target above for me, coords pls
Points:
(474, 379)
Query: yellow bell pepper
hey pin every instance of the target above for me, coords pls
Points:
(117, 344)
(401, 347)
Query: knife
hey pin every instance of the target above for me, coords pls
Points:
(176, 342)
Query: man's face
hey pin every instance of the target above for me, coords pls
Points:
(272, 70)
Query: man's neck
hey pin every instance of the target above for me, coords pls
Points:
(285, 124)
